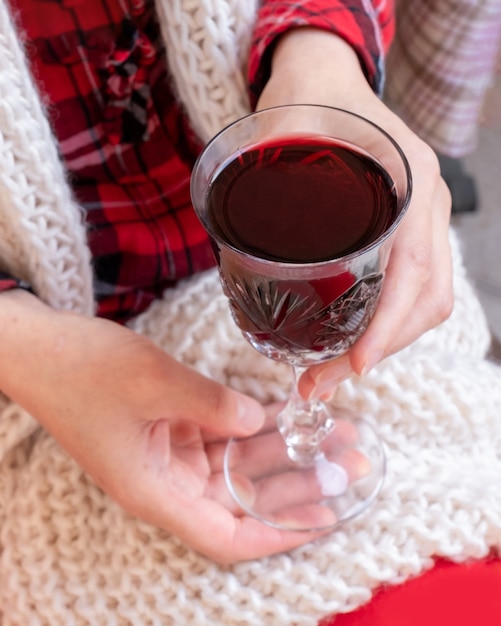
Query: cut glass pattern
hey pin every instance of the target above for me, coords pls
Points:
(348, 316)
(291, 314)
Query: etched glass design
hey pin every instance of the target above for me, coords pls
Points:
(286, 319)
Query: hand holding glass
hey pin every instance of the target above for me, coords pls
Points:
(301, 203)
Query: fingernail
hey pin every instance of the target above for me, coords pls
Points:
(306, 517)
(324, 390)
(250, 414)
(327, 378)
(244, 490)
(371, 361)
(333, 373)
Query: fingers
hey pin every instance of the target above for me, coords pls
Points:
(226, 537)
(208, 524)
(182, 494)
(320, 381)
(265, 453)
(234, 539)
(270, 413)
(213, 407)
(417, 293)
(264, 479)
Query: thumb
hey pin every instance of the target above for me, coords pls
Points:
(211, 405)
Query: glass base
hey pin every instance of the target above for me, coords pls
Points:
(335, 484)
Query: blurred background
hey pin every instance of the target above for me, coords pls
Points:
(480, 231)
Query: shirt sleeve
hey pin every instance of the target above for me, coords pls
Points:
(9, 282)
(367, 25)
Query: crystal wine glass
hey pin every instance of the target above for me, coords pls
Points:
(301, 203)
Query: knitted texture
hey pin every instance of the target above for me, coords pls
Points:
(72, 556)
(43, 237)
(207, 45)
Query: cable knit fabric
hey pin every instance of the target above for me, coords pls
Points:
(70, 556)
(208, 45)
(43, 239)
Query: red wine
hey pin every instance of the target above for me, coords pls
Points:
(301, 200)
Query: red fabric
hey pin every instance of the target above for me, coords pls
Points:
(450, 594)
(367, 26)
(124, 140)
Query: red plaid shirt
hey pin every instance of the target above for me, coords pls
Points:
(124, 141)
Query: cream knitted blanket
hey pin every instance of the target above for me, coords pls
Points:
(70, 556)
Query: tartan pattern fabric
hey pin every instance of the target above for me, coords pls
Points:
(367, 27)
(439, 67)
(124, 141)
(8, 282)
(126, 144)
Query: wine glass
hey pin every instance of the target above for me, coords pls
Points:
(301, 203)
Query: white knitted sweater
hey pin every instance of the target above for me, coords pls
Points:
(71, 556)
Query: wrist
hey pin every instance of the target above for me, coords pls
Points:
(19, 297)
(337, 73)
(28, 328)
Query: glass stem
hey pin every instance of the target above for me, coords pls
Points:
(304, 424)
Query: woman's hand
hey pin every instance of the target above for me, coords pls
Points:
(148, 430)
(310, 66)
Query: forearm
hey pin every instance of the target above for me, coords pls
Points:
(29, 346)
(337, 67)
(338, 79)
